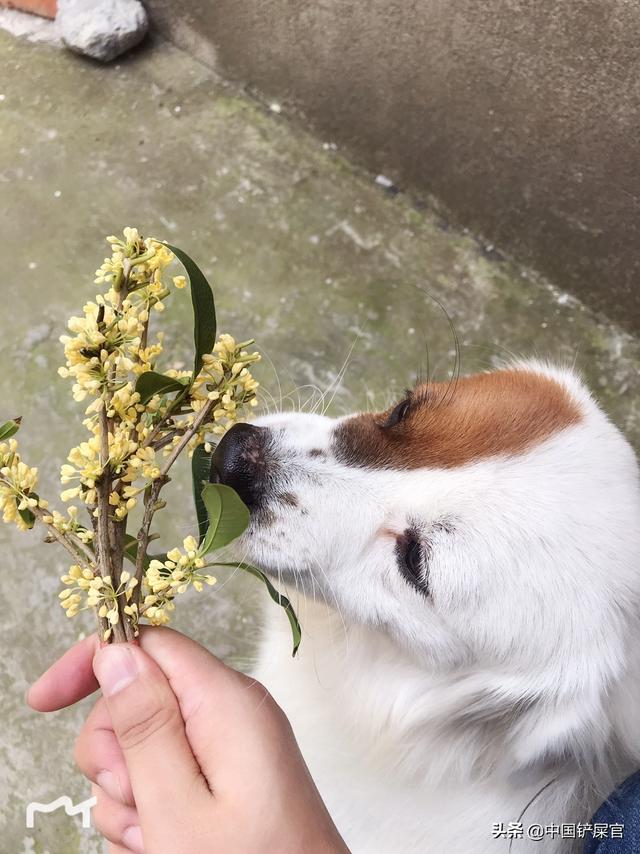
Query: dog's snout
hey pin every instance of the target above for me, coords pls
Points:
(238, 459)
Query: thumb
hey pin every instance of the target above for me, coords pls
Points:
(165, 777)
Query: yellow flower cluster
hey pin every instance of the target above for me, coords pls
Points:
(17, 485)
(128, 460)
(104, 349)
(105, 356)
(69, 524)
(150, 259)
(85, 590)
(110, 341)
(225, 379)
(165, 579)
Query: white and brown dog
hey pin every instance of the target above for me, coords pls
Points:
(468, 572)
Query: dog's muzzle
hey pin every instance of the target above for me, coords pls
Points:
(240, 461)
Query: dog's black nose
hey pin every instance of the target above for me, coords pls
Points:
(238, 460)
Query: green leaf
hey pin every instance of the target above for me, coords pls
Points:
(151, 383)
(9, 428)
(228, 516)
(200, 470)
(130, 548)
(204, 310)
(277, 597)
(28, 517)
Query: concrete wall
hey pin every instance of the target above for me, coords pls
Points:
(521, 116)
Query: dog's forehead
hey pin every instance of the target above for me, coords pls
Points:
(452, 424)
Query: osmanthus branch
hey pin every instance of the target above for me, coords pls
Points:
(116, 465)
(100, 525)
(110, 532)
(164, 421)
(150, 507)
(103, 545)
(152, 498)
(168, 438)
(78, 550)
(199, 420)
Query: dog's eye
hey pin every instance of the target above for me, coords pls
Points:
(412, 561)
(398, 413)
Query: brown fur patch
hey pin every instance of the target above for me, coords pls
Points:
(485, 415)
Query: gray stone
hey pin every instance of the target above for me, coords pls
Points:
(30, 27)
(102, 29)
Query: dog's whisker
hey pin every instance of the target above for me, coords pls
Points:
(341, 373)
(334, 384)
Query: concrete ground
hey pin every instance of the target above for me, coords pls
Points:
(308, 253)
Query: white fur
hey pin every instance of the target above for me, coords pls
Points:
(424, 721)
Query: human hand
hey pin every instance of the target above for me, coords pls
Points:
(186, 755)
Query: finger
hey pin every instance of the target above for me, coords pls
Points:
(99, 756)
(118, 849)
(228, 716)
(189, 667)
(241, 738)
(118, 823)
(165, 777)
(68, 680)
